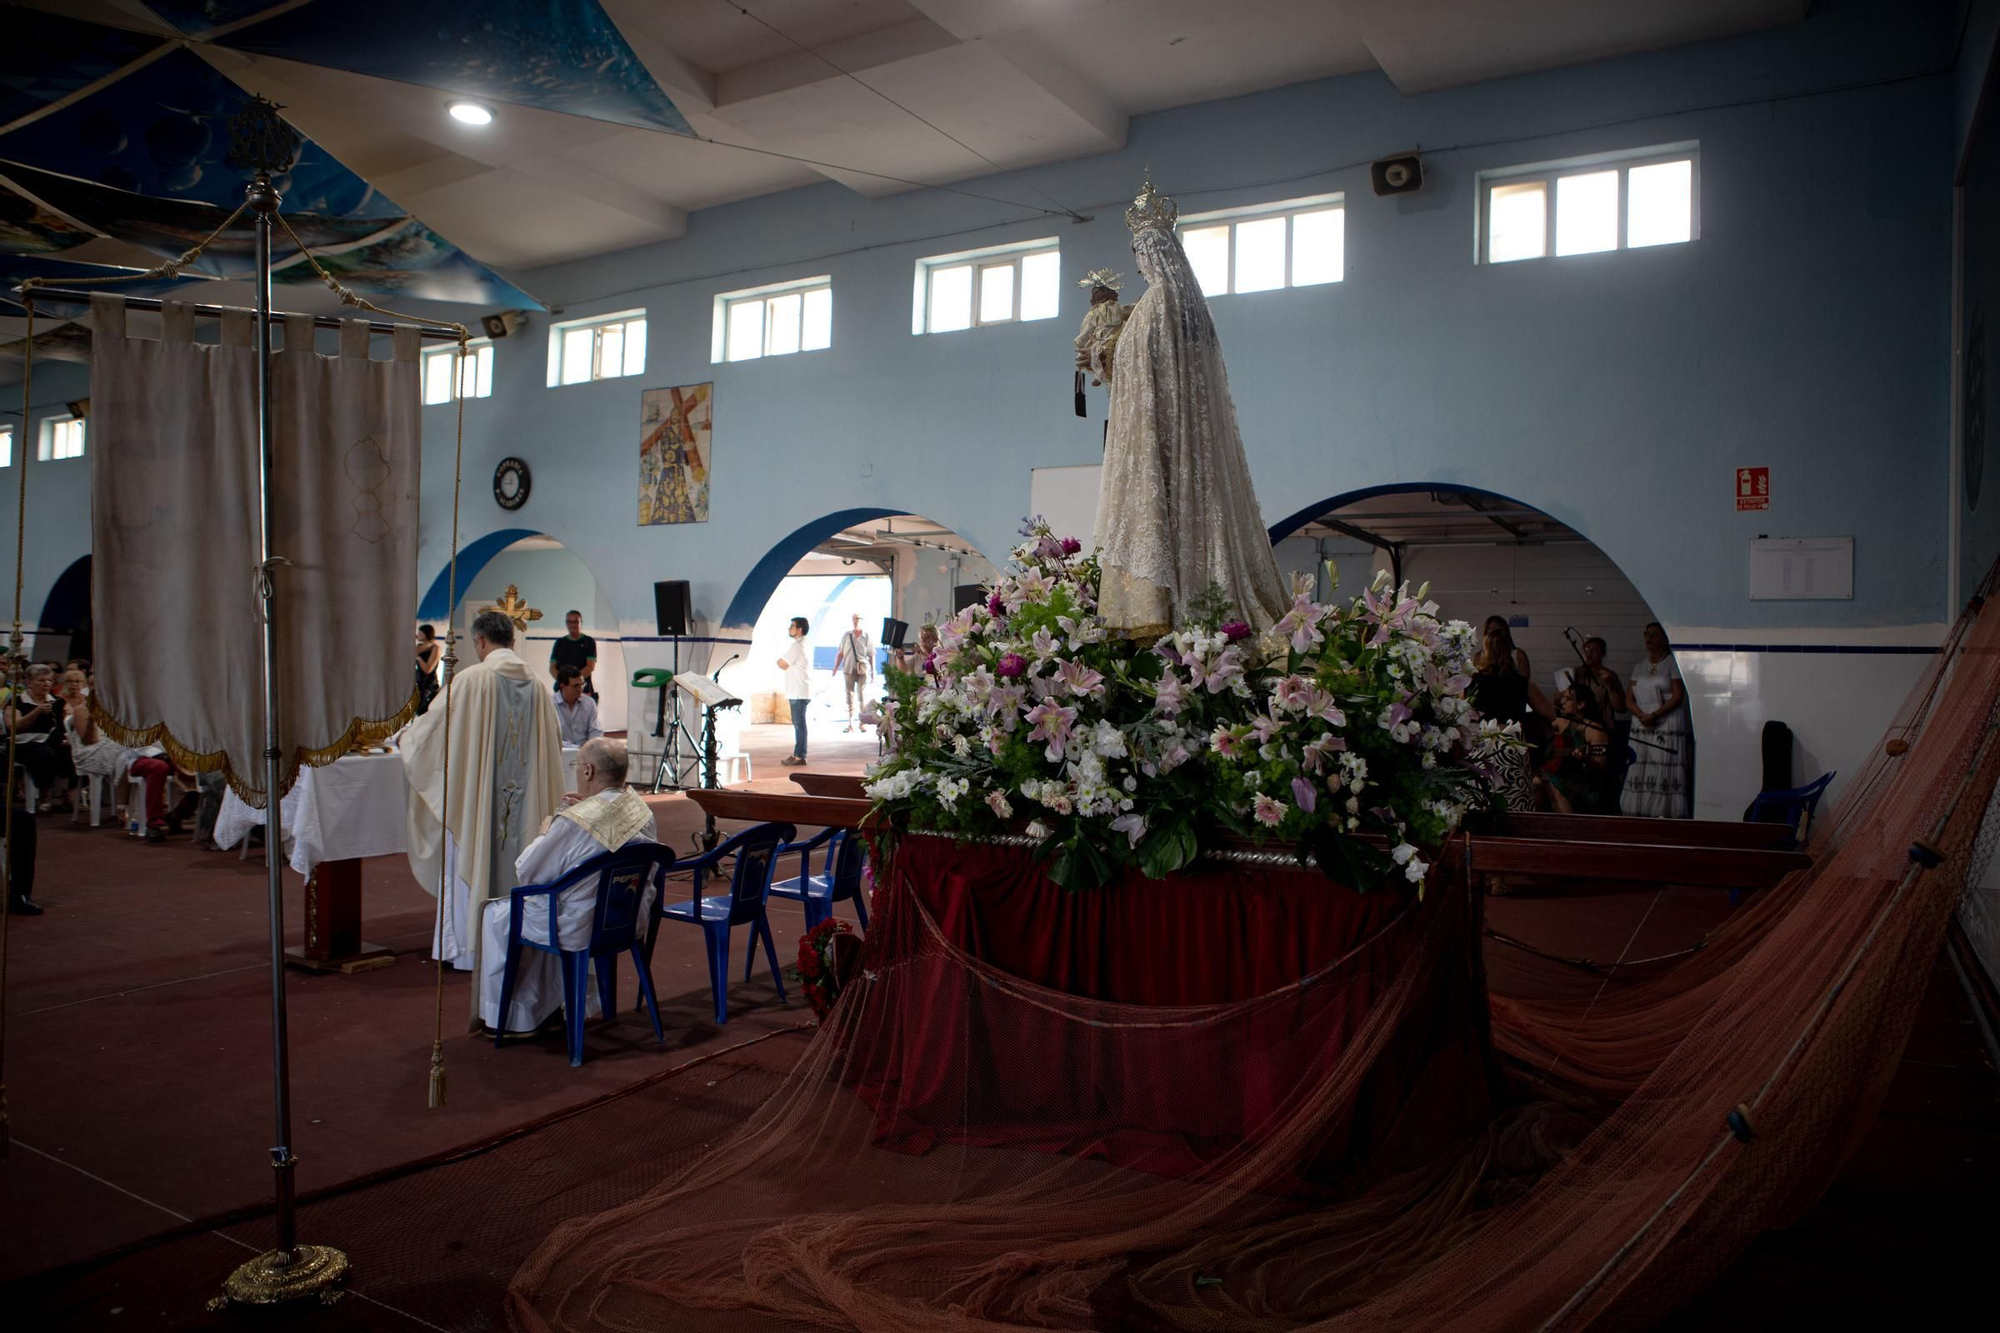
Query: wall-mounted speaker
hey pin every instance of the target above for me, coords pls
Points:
(966, 594)
(80, 409)
(670, 603)
(1403, 174)
(503, 323)
(894, 632)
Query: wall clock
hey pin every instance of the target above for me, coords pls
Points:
(511, 483)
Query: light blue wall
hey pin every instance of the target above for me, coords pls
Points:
(1807, 331)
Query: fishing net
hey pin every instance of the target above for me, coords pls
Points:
(969, 1145)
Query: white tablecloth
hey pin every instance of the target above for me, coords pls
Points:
(353, 807)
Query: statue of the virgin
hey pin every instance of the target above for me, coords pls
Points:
(1176, 512)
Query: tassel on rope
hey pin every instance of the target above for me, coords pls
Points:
(437, 1069)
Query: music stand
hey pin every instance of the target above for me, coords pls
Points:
(709, 696)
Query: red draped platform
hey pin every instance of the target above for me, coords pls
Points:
(1161, 1024)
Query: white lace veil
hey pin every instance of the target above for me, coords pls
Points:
(1177, 511)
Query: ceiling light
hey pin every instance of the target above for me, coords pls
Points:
(470, 113)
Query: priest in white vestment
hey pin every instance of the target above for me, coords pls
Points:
(604, 816)
(506, 779)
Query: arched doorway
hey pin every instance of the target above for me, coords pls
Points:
(65, 621)
(550, 578)
(1482, 554)
(876, 564)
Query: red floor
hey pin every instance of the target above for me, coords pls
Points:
(138, 1056)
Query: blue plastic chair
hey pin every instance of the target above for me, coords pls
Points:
(756, 853)
(1792, 807)
(622, 878)
(840, 881)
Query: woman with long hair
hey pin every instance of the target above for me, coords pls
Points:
(1499, 691)
(429, 650)
(1660, 783)
(1515, 655)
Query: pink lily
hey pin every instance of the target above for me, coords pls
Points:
(1052, 725)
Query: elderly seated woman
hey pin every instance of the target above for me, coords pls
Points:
(40, 746)
(94, 752)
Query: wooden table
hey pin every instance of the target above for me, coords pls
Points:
(1594, 847)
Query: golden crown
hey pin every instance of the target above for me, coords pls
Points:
(1150, 209)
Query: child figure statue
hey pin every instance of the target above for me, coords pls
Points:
(1098, 338)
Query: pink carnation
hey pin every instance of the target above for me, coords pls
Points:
(1013, 664)
(1236, 631)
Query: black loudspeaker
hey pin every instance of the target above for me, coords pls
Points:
(1397, 175)
(894, 631)
(504, 323)
(670, 603)
(966, 594)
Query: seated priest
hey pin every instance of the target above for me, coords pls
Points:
(506, 779)
(604, 816)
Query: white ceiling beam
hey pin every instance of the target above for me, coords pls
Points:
(1448, 43)
(688, 85)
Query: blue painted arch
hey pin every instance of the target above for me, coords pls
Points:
(67, 606)
(1291, 523)
(765, 576)
(473, 557)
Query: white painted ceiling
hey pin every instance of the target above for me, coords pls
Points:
(883, 95)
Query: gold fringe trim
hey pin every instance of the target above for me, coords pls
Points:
(360, 733)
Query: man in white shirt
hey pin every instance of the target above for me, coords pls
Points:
(798, 689)
(856, 665)
(576, 712)
(605, 815)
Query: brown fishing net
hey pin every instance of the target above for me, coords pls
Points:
(966, 1147)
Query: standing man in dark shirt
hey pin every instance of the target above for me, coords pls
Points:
(575, 649)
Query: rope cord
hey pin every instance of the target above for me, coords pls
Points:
(436, 1096)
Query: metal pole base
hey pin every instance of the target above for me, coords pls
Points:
(275, 1278)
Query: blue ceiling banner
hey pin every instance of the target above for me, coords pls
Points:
(46, 58)
(558, 55)
(199, 18)
(363, 252)
(169, 227)
(163, 131)
(412, 262)
(27, 228)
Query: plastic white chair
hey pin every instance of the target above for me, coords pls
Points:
(135, 807)
(97, 797)
(730, 758)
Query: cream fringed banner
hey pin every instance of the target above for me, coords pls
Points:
(174, 517)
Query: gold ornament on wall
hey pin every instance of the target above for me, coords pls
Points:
(511, 606)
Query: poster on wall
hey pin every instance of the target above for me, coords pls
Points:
(674, 427)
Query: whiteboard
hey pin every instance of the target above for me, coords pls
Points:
(1802, 569)
(1067, 498)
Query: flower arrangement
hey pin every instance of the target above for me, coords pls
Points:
(1334, 725)
(827, 955)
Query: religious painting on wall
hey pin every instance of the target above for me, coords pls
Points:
(674, 427)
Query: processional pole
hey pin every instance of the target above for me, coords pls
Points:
(290, 1271)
